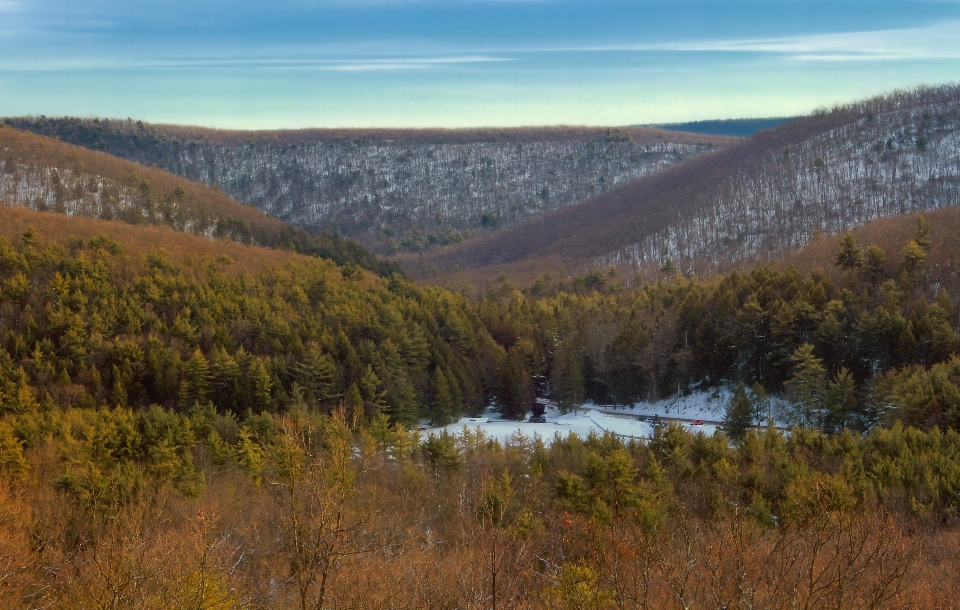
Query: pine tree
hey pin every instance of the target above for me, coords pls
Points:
(261, 386)
(515, 389)
(914, 257)
(807, 386)
(841, 399)
(567, 376)
(761, 403)
(12, 461)
(225, 380)
(317, 375)
(921, 235)
(371, 393)
(849, 256)
(739, 414)
(441, 402)
(353, 400)
(195, 388)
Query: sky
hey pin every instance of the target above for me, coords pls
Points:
(463, 63)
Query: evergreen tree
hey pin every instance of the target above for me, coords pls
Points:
(225, 380)
(441, 401)
(807, 386)
(261, 386)
(353, 399)
(195, 387)
(739, 414)
(849, 256)
(370, 391)
(12, 461)
(316, 373)
(841, 400)
(515, 389)
(874, 266)
(567, 376)
(921, 235)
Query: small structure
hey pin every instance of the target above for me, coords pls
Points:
(536, 412)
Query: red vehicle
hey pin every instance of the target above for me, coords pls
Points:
(697, 422)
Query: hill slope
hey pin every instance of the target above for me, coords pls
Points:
(395, 189)
(42, 173)
(763, 197)
(101, 313)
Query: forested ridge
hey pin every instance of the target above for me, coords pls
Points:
(85, 324)
(195, 422)
(759, 199)
(398, 190)
(44, 174)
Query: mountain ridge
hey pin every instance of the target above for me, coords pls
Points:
(396, 190)
(689, 213)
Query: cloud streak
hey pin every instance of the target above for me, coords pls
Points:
(340, 65)
(937, 41)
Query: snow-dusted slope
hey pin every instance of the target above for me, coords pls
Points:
(356, 187)
(903, 159)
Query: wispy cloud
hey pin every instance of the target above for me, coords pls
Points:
(340, 65)
(937, 41)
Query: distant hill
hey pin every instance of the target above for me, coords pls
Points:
(396, 190)
(761, 198)
(45, 174)
(725, 127)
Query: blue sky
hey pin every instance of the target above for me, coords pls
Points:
(455, 63)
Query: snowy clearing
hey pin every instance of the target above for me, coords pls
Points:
(627, 422)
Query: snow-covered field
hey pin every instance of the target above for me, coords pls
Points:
(706, 405)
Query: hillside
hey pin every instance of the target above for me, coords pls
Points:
(101, 313)
(396, 190)
(763, 197)
(43, 173)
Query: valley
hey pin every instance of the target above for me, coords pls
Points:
(749, 358)
(395, 190)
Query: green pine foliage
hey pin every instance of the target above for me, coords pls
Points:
(91, 326)
(739, 416)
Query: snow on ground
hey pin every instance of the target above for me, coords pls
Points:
(627, 422)
(708, 405)
(582, 423)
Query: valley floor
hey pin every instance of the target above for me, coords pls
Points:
(628, 422)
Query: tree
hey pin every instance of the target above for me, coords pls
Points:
(807, 386)
(316, 373)
(739, 414)
(921, 234)
(849, 255)
(761, 403)
(914, 257)
(442, 408)
(567, 376)
(313, 479)
(841, 399)
(875, 264)
(515, 389)
(195, 388)
(12, 461)
(261, 386)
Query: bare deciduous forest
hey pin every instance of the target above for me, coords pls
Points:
(400, 191)
(761, 198)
